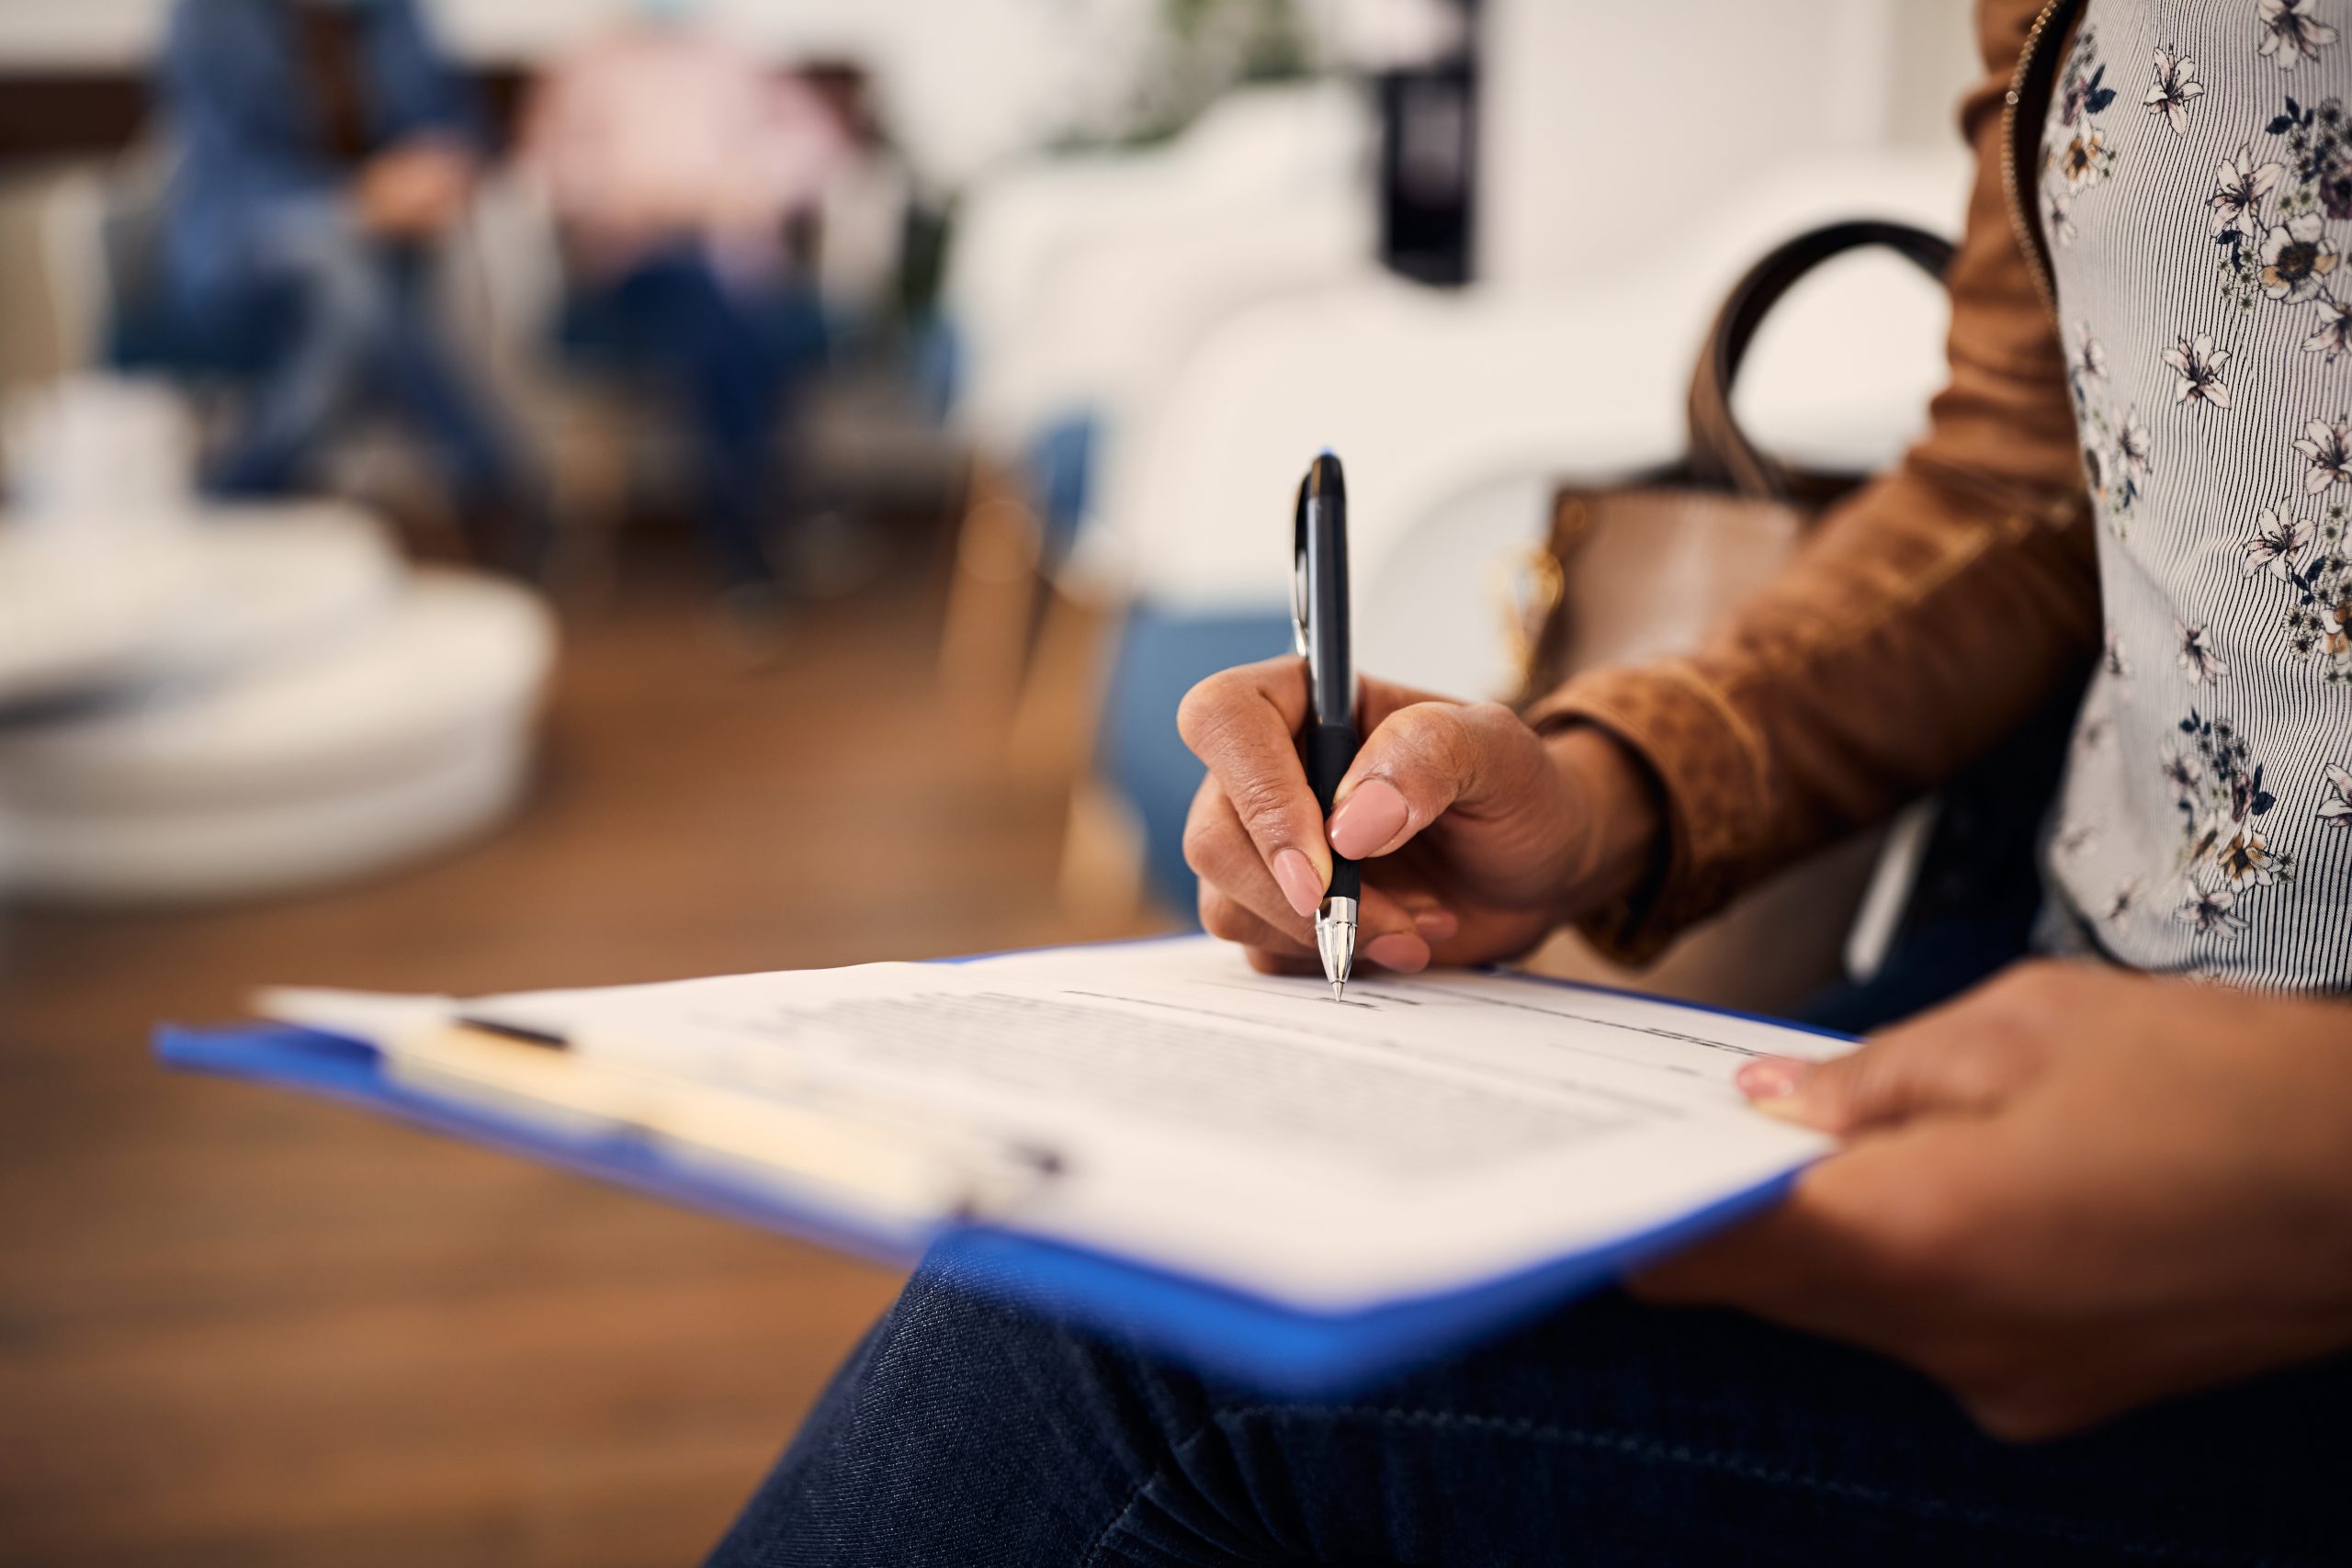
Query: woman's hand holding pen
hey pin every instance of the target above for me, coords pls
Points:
(1478, 835)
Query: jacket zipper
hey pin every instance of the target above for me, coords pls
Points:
(2027, 223)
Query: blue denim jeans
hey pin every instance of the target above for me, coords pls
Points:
(358, 325)
(969, 1433)
(734, 356)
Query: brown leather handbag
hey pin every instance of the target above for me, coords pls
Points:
(1635, 570)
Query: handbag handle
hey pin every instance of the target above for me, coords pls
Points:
(1721, 455)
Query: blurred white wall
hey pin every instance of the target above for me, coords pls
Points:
(1935, 60)
(1606, 127)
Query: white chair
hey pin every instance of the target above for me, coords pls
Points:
(76, 616)
(1078, 287)
(1129, 308)
(1021, 231)
(1431, 396)
(281, 582)
(401, 733)
(94, 606)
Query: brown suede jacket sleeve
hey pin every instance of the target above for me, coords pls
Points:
(1925, 618)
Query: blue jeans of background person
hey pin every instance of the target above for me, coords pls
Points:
(359, 327)
(968, 1434)
(732, 355)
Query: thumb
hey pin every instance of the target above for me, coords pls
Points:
(1428, 759)
(1926, 1069)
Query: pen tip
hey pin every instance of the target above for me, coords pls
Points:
(1339, 990)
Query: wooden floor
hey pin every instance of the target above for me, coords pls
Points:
(237, 1326)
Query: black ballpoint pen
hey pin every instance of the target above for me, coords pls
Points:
(1319, 618)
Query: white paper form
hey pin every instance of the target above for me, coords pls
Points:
(1426, 1133)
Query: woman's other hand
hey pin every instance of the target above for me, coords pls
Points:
(2071, 1191)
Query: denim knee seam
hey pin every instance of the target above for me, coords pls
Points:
(1102, 1537)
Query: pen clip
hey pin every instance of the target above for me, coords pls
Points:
(1298, 586)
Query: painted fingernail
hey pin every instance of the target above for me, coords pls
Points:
(1373, 814)
(1436, 925)
(1295, 874)
(1770, 1079)
(1400, 951)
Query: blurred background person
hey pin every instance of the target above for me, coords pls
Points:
(322, 148)
(683, 176)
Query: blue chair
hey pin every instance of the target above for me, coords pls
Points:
(1061, 477)
(1162, 654)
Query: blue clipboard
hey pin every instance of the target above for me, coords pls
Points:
(1220, 1332)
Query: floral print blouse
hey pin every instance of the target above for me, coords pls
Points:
(2196, 191)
